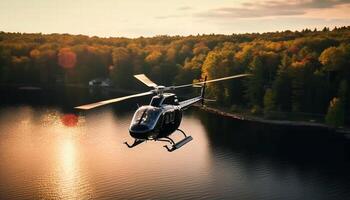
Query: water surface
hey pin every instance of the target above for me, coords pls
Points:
(50, 152)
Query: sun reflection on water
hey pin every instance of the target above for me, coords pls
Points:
(72, 184)
(68, 172)
(67, 180)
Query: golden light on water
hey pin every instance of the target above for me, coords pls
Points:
(68, 174)
(71, 183)
(63, 156)
(65, 179)
(68, 155)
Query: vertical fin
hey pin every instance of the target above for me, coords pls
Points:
(203, 90)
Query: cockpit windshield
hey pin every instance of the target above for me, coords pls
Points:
(146, 116)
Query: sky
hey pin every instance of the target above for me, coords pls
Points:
(135, 18)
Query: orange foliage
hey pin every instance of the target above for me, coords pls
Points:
(153, 57)
(293, 49)
(299, 64)
(67, 58)
(34, 53)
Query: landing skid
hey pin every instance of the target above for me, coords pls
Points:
(173, 146)
(177, 145)
(136, 142)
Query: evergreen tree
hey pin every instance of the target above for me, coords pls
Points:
(282, 86)
(269, 103)
(255, 83)
(335, 114)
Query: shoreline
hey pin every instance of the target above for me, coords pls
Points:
(238, 116)
(39, 87)
(343, 131)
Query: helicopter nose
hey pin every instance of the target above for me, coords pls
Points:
(139, 135)
(139, 131)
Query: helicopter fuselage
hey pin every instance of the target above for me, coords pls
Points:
(162, 117)
(157, 120)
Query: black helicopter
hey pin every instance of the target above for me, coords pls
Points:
(162, 117)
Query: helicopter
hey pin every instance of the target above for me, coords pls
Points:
(162, 117)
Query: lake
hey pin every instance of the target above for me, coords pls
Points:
(50, 151)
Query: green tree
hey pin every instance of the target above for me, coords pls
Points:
(255, 84)
(269, 103)
(335, 115)
(282, 86)
(5, 64)
(343, 94)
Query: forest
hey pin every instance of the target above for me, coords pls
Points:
(302, 73)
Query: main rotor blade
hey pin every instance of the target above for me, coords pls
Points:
(144, 79)
(210, 81)
(101, 103)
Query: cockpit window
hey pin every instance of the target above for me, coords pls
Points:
(156, 101)
(169, 100)
(146, 116)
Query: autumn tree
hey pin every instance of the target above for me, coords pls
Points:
(122, 69)
(333, 59)
(296, 71)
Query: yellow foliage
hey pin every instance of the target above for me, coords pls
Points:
(154, 57)
(34, 53)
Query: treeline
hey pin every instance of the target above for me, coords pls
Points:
(303, 71)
